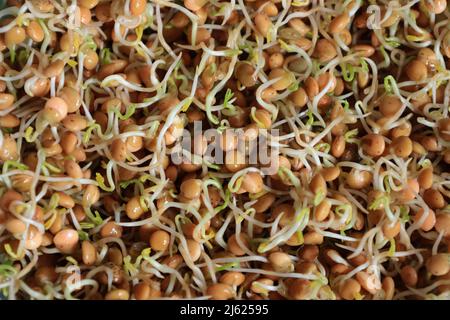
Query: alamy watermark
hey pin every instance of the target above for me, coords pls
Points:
(251, 146)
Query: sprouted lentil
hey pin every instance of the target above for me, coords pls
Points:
(95, 95)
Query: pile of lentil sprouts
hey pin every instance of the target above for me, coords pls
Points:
(95, 95)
